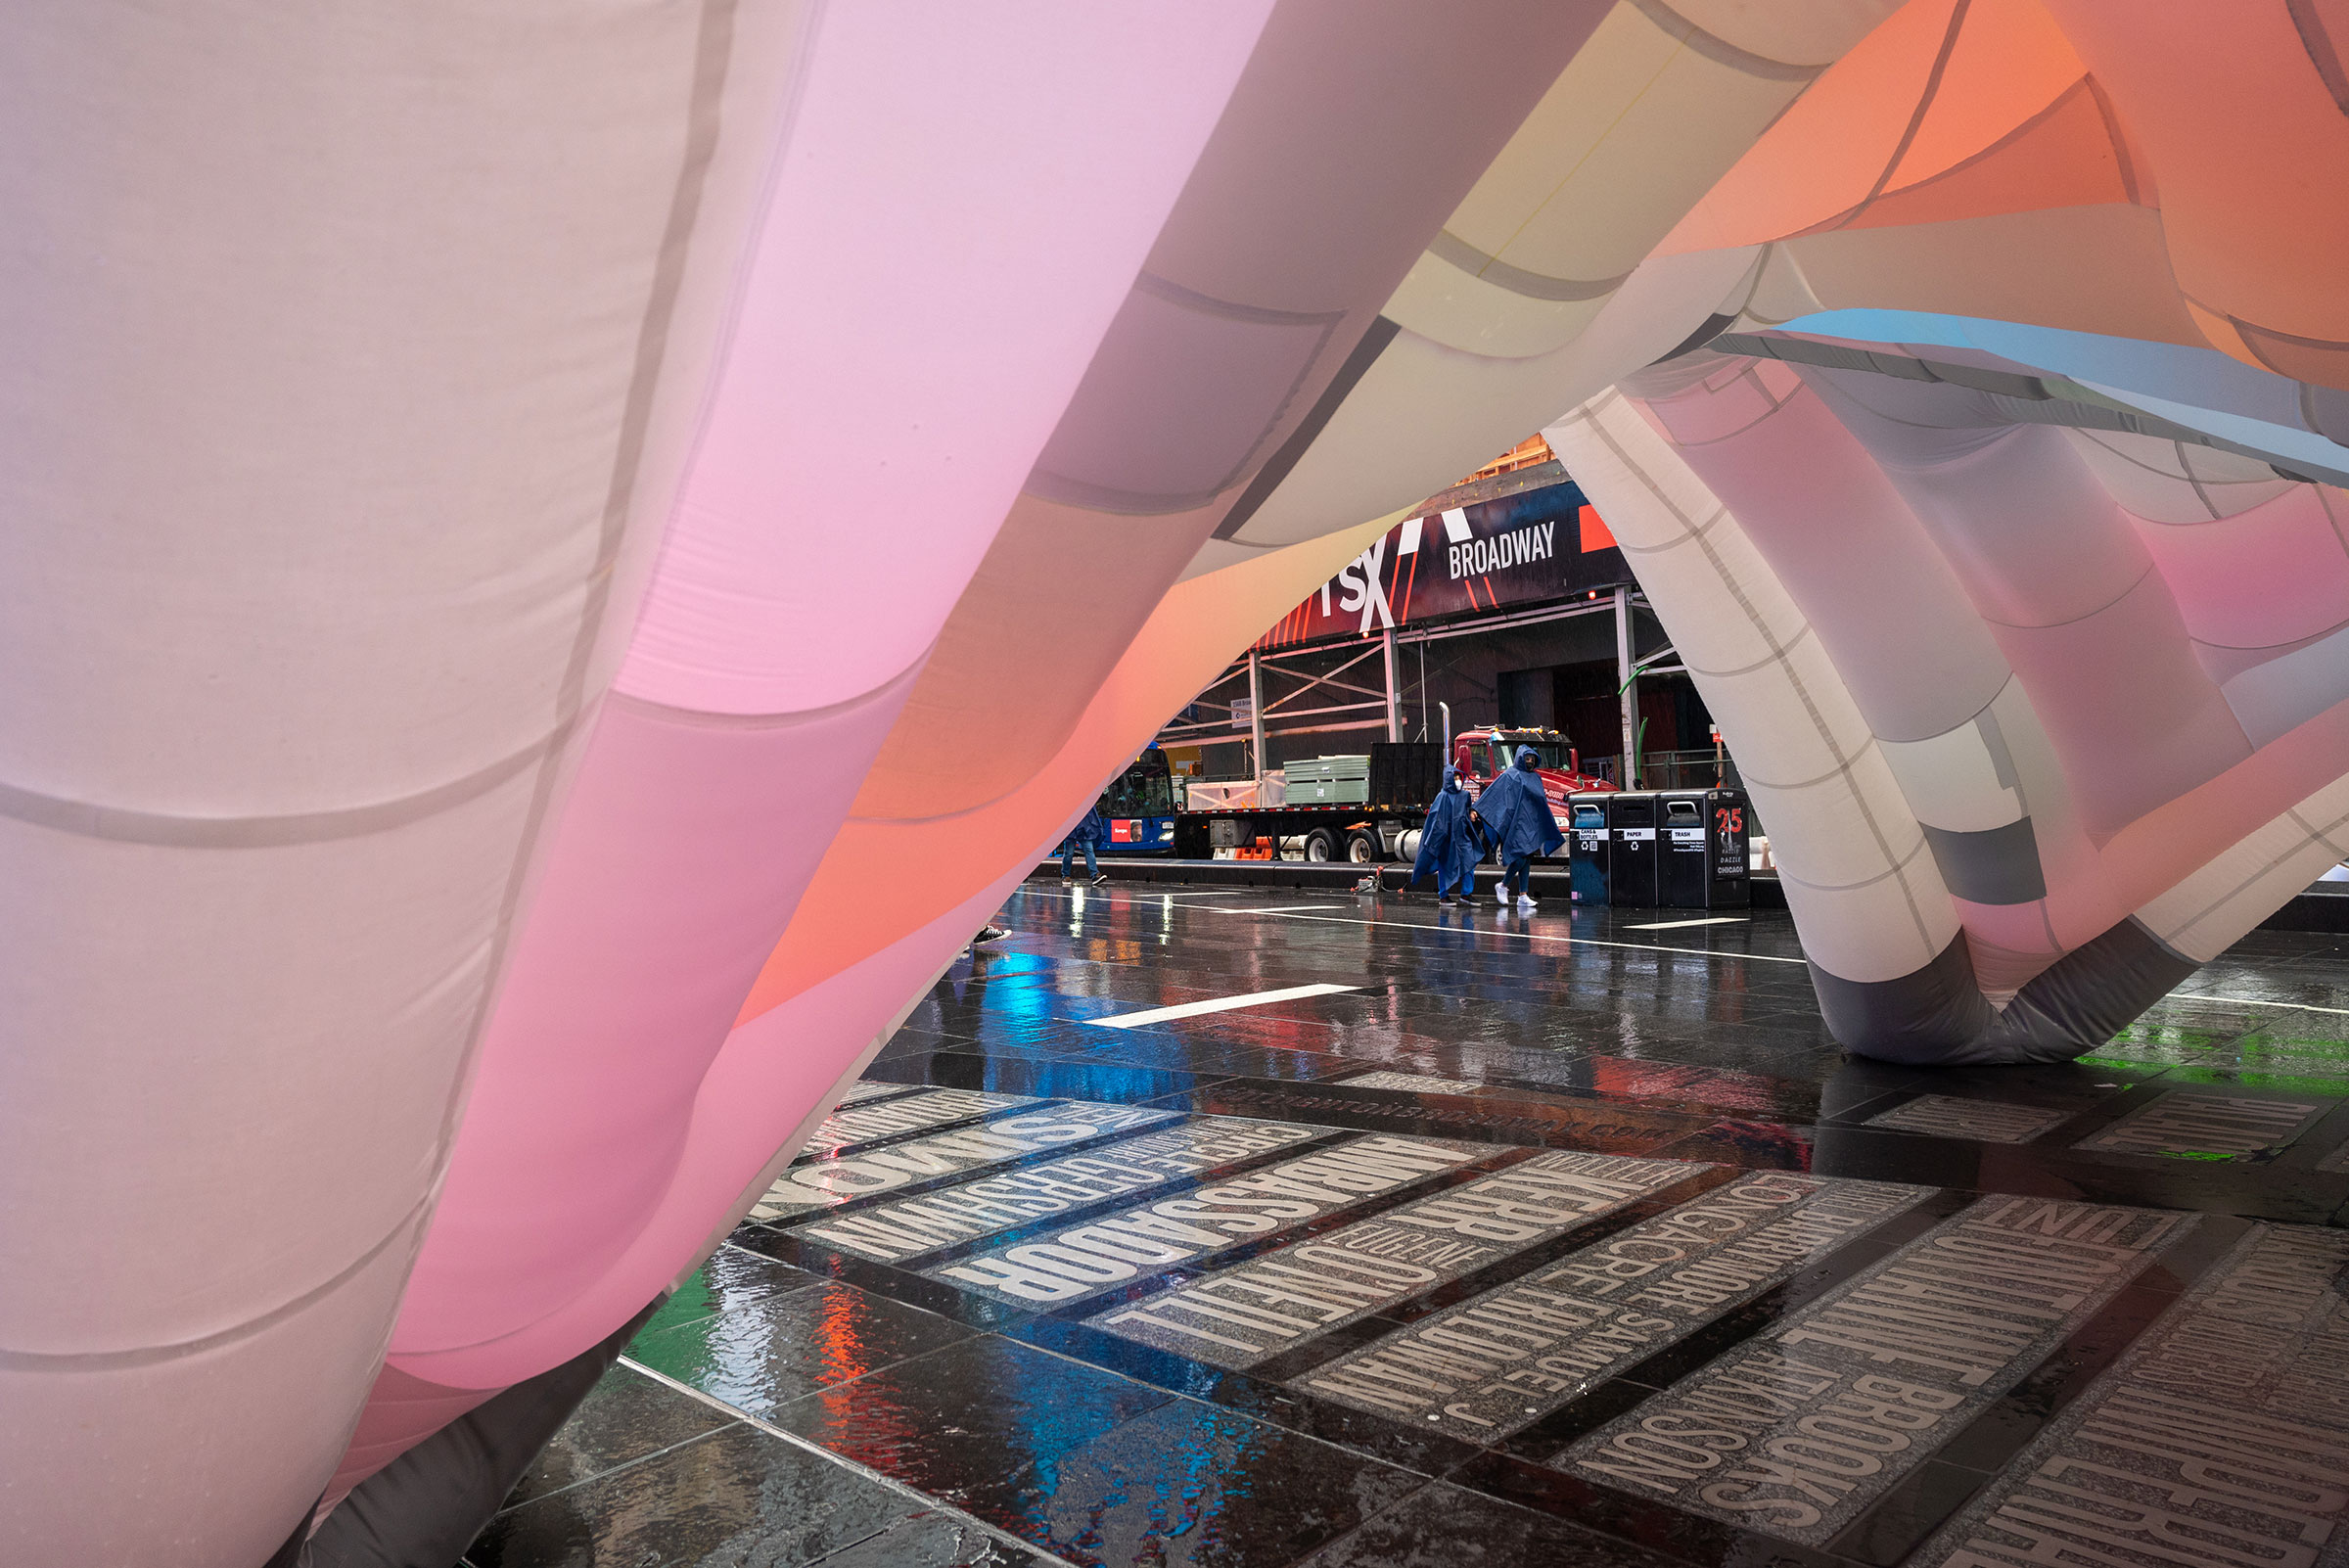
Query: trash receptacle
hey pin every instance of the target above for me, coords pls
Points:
(1702, 858)
(1587, 847)
(1684, 851)
(1632, 851)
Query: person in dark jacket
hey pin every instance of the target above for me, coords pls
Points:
(1083, 836)
(1515, 810)
(1448, 849)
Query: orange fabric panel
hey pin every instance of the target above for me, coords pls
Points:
(928, 867)
(2102, 269)
(2250, 142)
(1924, 97)
(2062, 157)
(1827, 150)
(2008, 62)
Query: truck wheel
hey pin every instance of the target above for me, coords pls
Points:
(1320, 845)
(1361, 848)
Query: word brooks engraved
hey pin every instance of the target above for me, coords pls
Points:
(974, 1209)
(2222, 1437)
(1109, 1250)
(824, 1182)
(1798, 1432)
(1246, 1313)
(1495, 1363)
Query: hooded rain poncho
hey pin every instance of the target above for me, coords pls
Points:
(1448, 849)
(1516, 810)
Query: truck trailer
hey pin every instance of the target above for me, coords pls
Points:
(1368, 807)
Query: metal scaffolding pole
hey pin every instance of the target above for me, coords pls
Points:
(1394, 698)
(1256, 708)
(1627, 689)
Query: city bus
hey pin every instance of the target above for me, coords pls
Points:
(1137, 809)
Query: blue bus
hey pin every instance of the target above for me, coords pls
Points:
(1137, 809)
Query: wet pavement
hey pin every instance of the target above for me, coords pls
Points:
(1541, 1239)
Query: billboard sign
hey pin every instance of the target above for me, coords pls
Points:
(1540, 544)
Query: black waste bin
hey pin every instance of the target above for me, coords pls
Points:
(1587, 847)
(1702, 861)
(1632, 851)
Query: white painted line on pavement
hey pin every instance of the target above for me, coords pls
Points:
(1294, 913)
(2251, 1001)
(1291, 912)
(1675, 925)
(1540, 936)
(1215, 1004)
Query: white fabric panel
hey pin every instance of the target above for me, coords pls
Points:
(1831, 734)
(1879, 930)
(1722, 646)
(1452, 402)
(1914, 653)
(1852, 824)
(323, 535)
(1450, 305)
(1852, 854)
(2214, 907)
(1951, 781)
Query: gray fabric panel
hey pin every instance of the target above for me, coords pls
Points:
(1900, 365)
(1705, 335)
(295, 1553)
(1925, 1018)
(424, 1508)
(2001, 383)
(1995, 865)
(1938, 1017)
(2090, 995)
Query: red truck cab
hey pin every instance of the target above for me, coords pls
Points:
(1481, 754)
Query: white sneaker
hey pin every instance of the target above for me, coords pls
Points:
(1526, 904)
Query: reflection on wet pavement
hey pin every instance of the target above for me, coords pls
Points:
(1299, 1283)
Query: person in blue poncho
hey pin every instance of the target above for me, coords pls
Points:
(1447, 846)
(1087, 832)
(1515, 810)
